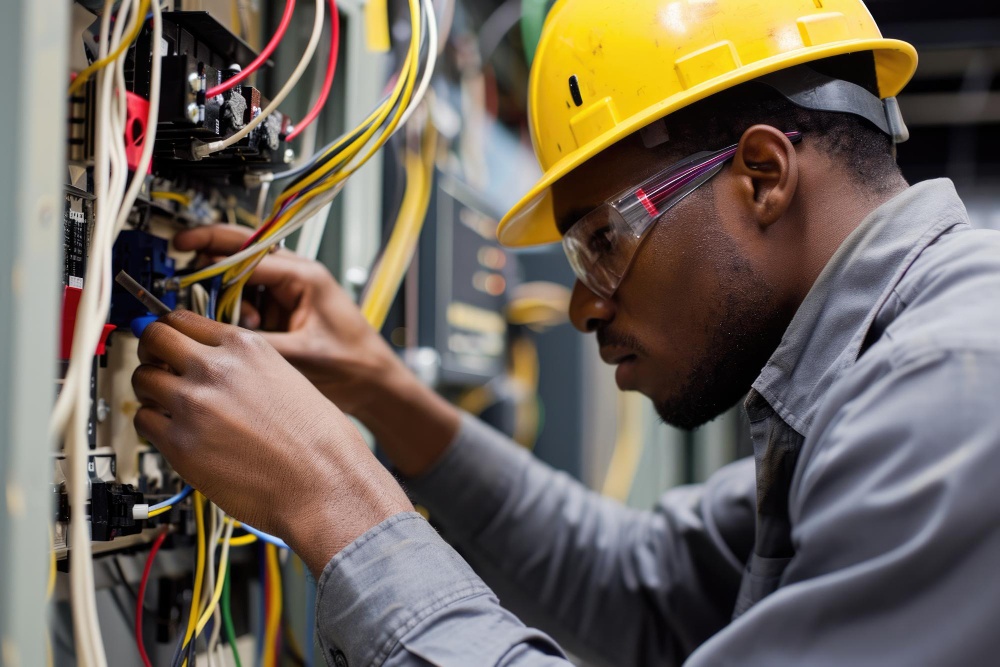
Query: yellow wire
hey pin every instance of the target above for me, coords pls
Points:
(378, 115)
(199, 572)
(242, 540)
(403, 90)
(172, 196)
(140, 19)
(51, 585)
(217, 593)
(160, 511)
(403, 95)
(405, 234)
(274, 614)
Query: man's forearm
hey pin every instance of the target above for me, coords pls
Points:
(412, 423)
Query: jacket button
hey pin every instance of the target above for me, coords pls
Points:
(339, 659)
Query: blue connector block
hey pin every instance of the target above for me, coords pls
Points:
(144, 257)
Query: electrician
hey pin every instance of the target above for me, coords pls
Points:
(722, 176)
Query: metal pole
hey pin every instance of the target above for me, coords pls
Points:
(33, 39)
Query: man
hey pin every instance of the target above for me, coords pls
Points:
(722, 175)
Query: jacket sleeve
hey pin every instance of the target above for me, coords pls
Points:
(897, 525)
(614, 585)
(619, 586)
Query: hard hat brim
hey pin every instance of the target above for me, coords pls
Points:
(531, 221)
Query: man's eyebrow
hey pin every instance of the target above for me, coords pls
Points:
(570, 218)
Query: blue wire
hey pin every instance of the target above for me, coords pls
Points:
(264, 537)
(169, 502)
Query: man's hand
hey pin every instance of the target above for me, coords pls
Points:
(316, 326)
(310, 320)
(241, 425)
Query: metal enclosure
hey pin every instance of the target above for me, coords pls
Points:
(33, 50)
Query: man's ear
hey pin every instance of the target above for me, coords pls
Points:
(767, 172)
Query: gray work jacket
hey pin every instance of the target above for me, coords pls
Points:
(866, 531)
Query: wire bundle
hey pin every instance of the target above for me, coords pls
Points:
(322, 178)
(202, 150)
(115, 197)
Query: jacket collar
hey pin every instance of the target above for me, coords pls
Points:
(829, 328)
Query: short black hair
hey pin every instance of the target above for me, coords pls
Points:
(720, 120)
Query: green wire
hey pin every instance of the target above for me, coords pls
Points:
(227, 620)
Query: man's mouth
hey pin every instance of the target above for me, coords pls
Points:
(614, 356)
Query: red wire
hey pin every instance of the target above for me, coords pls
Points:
(157, 543)
(279, 34)
(331, 68)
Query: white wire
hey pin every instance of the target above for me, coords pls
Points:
(293, 225)
(432, 54)
(146, 157)
(213, 640)
(89, 647)
(71, 415)
(312, 233)
(203, 150)
(215, 530)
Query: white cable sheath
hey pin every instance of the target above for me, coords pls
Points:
(89, 647)
(113, 203)
(203, 150)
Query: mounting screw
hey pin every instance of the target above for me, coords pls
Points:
(289, 155)
(194, 80)
(103, 409)
(193, 113)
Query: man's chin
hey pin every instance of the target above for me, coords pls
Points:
(690, 412)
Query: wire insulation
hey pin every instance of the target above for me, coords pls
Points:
(331, 69)
(96, 66)
(157, 543)
(206, 149)
(260, 60)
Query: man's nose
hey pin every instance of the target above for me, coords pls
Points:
(587, 311)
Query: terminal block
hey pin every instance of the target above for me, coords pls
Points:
(111, 511)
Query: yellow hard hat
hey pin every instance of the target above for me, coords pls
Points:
(607, 68)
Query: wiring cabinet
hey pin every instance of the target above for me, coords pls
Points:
(178, 114)
(311, 123)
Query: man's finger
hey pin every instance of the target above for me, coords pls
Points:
(212, 239)
(197, 328)
(249, 316)
(162, 343)
(155, 387)
(152, 425)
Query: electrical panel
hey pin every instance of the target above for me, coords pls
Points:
(183, 177)
(171, 123)
(465, 282)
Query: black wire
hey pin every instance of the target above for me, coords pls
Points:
(124, 580)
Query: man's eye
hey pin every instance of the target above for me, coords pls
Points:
(601, 240)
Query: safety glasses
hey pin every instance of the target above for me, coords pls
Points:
(601, 245)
